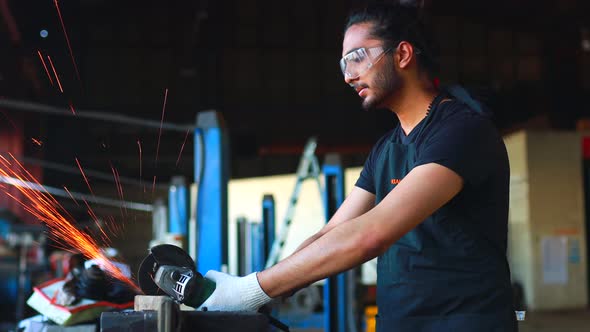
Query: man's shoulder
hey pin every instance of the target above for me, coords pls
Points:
(455, 108)
(458, 125)
(456, 115)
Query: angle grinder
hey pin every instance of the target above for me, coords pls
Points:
(170, 270)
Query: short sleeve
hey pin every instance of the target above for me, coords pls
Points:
(366, 179)
(466, 143)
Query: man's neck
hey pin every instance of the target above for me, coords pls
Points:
(411, 104)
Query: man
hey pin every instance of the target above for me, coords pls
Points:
(431, 201)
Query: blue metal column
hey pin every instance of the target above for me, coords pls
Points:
(268, 224)
(211, 176)
(178, 207)
(257, 242)
(263, 234)
(335, 287)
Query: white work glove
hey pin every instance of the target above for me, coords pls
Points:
(235, 293)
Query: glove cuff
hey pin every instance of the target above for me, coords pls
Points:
(254, 294)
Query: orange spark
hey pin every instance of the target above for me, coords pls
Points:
(72, 197)
(47, 209)
(63, 27)
(45, 66)
(36, 141)
(182, 147)
(119, 187)
(84, 175)
(161, 122)
(96, 220)
(55, 73)
(72, 108)
(110, 224)
(113, 226)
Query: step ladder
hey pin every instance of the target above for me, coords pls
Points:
(309, 168)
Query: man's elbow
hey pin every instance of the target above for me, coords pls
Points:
(373, 245)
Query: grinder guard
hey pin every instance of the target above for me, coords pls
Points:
(170, 270)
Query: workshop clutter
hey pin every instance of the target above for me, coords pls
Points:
(83, 295)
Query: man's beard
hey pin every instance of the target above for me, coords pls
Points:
(386, 83)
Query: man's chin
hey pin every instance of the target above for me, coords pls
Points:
(370, 104)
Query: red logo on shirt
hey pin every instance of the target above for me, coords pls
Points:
(395, 181)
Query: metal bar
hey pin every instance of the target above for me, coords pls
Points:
(93, 115)
(74, 170)
(89, 198)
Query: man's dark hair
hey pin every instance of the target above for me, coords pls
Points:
(396, 23)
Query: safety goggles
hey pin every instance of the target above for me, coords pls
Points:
(357, 62)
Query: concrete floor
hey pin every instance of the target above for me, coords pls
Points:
(565, 321)
(559, 321)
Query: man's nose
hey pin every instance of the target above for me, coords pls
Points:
(349, 79)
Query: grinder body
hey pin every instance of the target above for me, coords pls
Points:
(170, 270)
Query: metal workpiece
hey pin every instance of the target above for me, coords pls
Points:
(186, 321)
(136, 321)
(167, 311)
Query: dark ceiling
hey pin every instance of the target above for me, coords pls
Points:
(271, 68)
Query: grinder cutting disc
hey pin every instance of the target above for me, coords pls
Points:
(164, 254)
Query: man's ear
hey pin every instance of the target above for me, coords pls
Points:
(405, 53)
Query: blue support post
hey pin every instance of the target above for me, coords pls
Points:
(268, 224)
(178, 207)
(335, 299)
(257, 247)
(211, 177)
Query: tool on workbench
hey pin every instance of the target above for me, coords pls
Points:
(170, 270)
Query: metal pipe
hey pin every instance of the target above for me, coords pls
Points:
(94, 115)
(89, 198)
(90, 173)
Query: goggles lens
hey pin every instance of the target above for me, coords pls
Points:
(357, 62)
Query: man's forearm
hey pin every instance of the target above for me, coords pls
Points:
(309, 241)
(339, 249)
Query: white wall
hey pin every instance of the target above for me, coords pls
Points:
(547, 242)
(245, 200)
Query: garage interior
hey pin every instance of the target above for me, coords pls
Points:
(116, 107)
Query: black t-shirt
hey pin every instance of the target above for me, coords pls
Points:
(466, 142)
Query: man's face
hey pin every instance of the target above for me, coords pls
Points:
(381, 80)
